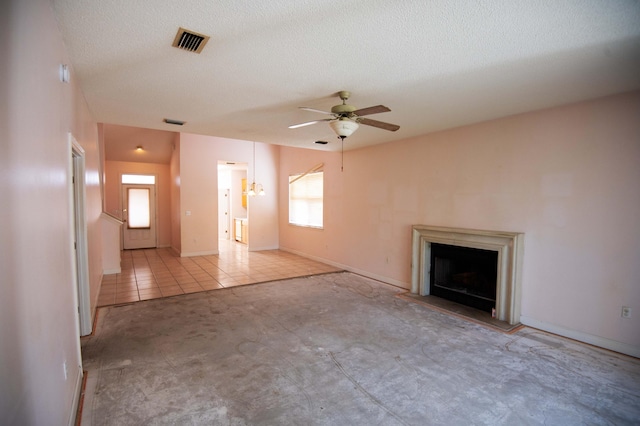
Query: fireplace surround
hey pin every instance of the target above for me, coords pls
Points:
(508, 245)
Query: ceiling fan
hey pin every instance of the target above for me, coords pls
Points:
(346, 118)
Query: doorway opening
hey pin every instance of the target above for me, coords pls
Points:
(232, 203)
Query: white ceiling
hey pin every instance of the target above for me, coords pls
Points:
(436, 64)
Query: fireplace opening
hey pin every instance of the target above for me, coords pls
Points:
(464, 275)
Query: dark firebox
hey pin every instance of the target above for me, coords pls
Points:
(464, 275)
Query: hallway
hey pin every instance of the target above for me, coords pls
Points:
(157, 273)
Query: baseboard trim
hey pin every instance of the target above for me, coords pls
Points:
(263, 248)
(111, 271)
(590, 339)
(73, 413)
(386, 280)
(199, 253)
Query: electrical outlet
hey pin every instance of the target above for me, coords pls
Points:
(64, 369)
(626, 312)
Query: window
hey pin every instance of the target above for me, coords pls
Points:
(306, 199)
(138, 212)
(139, 179)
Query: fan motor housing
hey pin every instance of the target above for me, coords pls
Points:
(343, 109)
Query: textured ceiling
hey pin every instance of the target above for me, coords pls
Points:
(436, 64)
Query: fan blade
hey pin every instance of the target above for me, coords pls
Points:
(308, 123)
(371, 110)
(315, 110)
(378, 124)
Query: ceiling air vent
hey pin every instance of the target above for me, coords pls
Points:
(189, 40)
(172, 121)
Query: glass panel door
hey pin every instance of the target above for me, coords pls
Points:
(138, 208)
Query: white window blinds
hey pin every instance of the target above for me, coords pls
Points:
(306, 199)
(138, 209)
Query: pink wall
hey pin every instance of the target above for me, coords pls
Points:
(113, 193)
(567, 177)
(199, 156)
(38, 311)
(174, 172)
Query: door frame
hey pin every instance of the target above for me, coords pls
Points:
(227, 208)
(236, 194)
(122, 206)
(79, 245)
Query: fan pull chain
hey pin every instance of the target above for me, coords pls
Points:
(342, 155)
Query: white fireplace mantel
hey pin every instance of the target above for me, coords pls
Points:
(509, 246)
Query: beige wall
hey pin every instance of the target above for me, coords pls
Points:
(38, 311)
(567, 177)
(113, 193)
(199, 156)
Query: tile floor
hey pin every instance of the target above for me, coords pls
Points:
(156, 273)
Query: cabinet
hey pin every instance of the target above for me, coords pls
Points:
(244, 193)
(241, 229)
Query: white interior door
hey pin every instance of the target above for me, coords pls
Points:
(139, 211)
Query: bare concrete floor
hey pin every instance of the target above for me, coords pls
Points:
(339, 349)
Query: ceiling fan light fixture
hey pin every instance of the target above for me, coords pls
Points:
(344, 127)
(346, 118)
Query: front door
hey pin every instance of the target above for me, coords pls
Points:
(139, 229)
